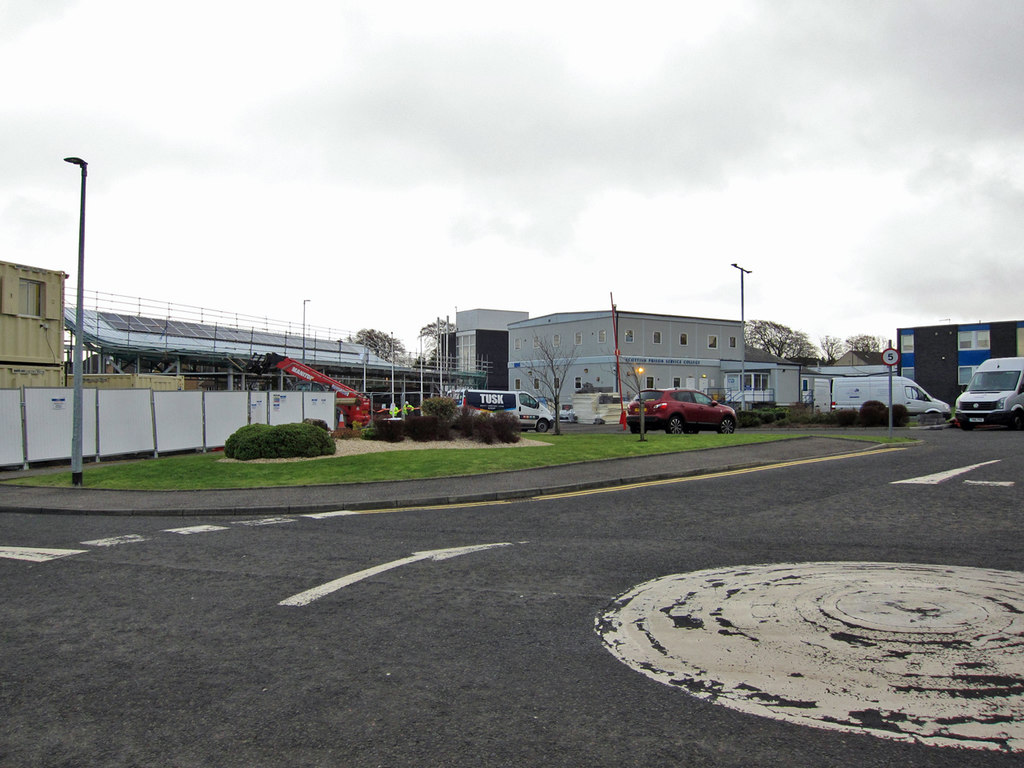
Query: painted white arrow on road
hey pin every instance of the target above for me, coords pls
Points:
(36, 555)
(307, 597)
(938, 477)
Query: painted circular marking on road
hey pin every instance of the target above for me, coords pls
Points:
(924, 653)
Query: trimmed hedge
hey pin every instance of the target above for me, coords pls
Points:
(282, 441)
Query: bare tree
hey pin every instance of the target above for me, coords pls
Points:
(863, 342)
(431, 334)
(779, 340)
(550, 369)
(832, 348)
(382, 344)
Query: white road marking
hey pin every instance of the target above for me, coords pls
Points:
(335, 513)
(997, 483)
(130, 538)
(264, 521)
(305, 598)
(37, 555)
(939, 477)
(196, 529)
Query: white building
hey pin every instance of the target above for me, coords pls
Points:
(673, 351)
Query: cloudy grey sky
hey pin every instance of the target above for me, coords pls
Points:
(392, 161)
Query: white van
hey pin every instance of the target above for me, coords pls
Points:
(531, 412)
(994, 395)
(854, 391)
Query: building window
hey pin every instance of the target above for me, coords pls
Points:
(908, 372)
(536, 385)
(518, 343)
(963, 375)
(30, 298)
(650, 382)
(907, 343)
(683, 339)
(536, 343)
(517, 383)
(712, 342)
(577, 382)
(676, 382)
(656, 338)
(557, 339)
(732, 342)
(629, 337)
(579, 338)
(973, 339)
(602, 337)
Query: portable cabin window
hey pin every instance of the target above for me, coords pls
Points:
(629, 336)
(518, 343)
(578, 338)
(577, 382)
(602, 336)
(30, 298)
(650, 382)
(907, 343)
(683, 339)
(557, 339)
(732, 342)
(517, 383)
(712, 342)
(656, 337)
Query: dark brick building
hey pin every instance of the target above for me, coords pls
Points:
(942, 358)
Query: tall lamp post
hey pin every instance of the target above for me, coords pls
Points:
(743, 341)
(76, 407)
(304, 303)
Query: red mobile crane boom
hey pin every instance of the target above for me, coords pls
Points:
(354, 407)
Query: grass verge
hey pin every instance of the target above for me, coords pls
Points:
(206, 471)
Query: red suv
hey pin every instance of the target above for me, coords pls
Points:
(679, 411)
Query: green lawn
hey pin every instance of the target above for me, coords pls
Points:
(203, 471)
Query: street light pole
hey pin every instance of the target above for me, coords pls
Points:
(304, 303)
(76, 407)
(743, 340)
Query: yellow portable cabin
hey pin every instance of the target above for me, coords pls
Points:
(31, 326)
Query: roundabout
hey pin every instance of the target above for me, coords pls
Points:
(923, 653)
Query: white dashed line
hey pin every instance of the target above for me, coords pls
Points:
(264, 521)
(130, 538)
(335, 513)
(37, 555)
(196, 529)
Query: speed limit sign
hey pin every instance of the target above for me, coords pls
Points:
(891, 357)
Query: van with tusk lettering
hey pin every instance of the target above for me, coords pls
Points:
(532, 414)
(994, 396)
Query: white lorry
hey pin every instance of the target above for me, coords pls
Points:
(532, 414)
(854, 391)
(994, 395)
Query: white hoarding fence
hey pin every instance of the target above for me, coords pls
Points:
(36, 422)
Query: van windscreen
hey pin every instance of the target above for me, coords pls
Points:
(994, 381)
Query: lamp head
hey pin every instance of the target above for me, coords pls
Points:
(76, 161)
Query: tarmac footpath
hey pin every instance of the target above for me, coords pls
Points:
(466, 489)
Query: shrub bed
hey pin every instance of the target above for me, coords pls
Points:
(282, 441)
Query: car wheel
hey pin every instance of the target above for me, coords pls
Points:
(676, 425)
(1018, 421)
(542, 426)
(634, 428)
(727, 427)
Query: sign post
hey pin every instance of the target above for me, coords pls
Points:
(891, 358)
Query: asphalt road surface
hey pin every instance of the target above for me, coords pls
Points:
(521, 634)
